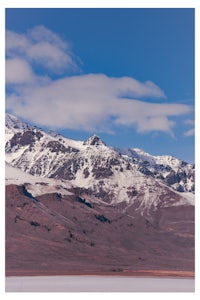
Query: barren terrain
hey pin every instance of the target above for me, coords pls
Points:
(54, 235)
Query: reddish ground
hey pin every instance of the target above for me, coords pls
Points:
(133, 273)
(55, 236)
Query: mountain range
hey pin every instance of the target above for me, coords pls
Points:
(81, 205)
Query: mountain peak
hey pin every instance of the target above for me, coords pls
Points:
(14, 123)
(94, 141)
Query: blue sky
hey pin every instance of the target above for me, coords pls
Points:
(124, 74)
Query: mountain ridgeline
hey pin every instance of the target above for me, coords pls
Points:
(88, 206)
(114, 175)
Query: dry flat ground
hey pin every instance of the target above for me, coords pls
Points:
(131, 273)
(88, 283)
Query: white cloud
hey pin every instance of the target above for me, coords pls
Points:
(130, 87)
(156, 123)
(43, 47)
(41, 33)
(16, 44)
(90, 102)
(51, 57)
(18, 71)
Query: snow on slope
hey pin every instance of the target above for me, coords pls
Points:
(172, 171)
(159, 160)
(90, 165)
(15, 125)
(36, 185)
(165, 160)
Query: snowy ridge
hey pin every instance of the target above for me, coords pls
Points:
(172, 171)
(165, 160)
(15, 124)
(160, 160)
(105, 173)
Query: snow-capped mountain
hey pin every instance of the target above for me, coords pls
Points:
(172, 171)
(132, 176)
(89, 208)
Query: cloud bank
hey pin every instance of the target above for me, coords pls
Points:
(91, 102)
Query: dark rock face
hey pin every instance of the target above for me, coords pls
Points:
(102, 194)
(172, 178)
(94, 141)
(26, 138)
(34, 223)
(101, 172)
(86, 172)
(180, 178)
(145, 171)
(65, 171)
(180, 189)
(81, 200)
(102, 219)
(132, 192)
(55, 146)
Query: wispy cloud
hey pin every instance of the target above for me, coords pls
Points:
(190, 132)
(189, 122)
(43, 47)
(91, 102)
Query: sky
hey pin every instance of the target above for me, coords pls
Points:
(126, 75)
